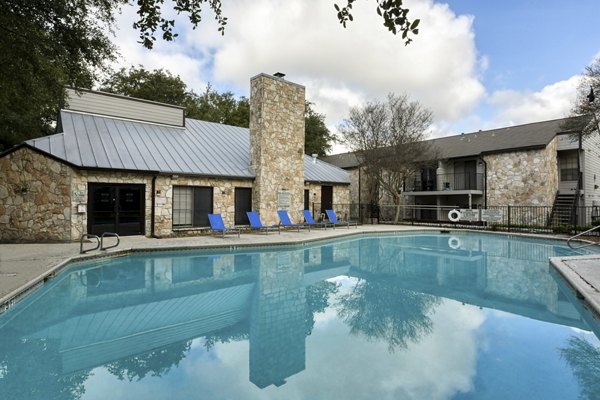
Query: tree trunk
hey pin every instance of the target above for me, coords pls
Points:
(397, 203)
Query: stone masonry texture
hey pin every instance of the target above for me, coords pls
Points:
(34, 198)
(276, 144)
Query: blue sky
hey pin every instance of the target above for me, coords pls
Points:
(531, 44)
(476, 64)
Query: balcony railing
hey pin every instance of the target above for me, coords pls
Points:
(461, 181)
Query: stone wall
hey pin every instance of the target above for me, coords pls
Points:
(34, 197)
(223, 200)
(276, 144)
(527, 178)
(341, 197)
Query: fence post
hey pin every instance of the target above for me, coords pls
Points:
(509, 222)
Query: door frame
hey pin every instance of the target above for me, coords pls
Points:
(116, 193)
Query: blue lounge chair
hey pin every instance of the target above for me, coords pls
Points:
(256, 224)
(311, 222)
(287, 223)
(335, 221)
(216, 224)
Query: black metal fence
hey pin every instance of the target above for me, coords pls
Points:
(536, 219)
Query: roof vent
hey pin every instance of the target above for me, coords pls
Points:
(279, 75)
(314, 158)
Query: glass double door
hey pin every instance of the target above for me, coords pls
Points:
(116, 208)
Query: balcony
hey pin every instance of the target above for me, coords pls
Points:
(469, 181)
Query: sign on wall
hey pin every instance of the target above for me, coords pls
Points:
(284, 199)
(78, 196)
(491, 215)
(469, 215)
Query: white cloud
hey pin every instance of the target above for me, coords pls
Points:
(339, 67)
(551, 102)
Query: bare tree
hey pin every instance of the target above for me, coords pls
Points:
(587, 106)
(388, 138)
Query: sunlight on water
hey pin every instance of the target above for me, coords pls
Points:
(422, 316)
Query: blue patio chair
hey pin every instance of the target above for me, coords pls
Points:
(287, 223)
(335, 221)
(255, 223)
(311, 222)
(216, 224)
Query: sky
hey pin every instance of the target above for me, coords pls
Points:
(476, 64)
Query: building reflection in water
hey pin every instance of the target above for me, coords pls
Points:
(137, 315)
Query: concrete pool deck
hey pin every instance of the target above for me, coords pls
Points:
(26, 266)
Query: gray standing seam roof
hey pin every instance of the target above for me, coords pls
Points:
(533, 135)
(200, 148)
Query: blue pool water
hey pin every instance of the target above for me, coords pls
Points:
(420, 316)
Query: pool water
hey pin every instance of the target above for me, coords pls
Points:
(419, 316)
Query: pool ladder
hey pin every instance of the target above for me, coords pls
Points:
(99, 241)
(580, 234)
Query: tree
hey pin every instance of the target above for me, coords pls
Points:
(388, 138)
(317, 138)
(160, 85)
(45, 46)
(587, 105)
(223, 108)
(157, 85)
(49, 44)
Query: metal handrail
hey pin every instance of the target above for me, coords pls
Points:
(111, 234)
(579, 234)
(86, 236)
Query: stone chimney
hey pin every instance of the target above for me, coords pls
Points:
(276, 146)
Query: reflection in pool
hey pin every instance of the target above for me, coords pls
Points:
(422, 316)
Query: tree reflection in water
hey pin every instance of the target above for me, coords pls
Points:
(40, 360)
(584, 359)
(381, 310)
(156, 362)
(317, 300)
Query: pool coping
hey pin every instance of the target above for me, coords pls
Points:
(578, 283)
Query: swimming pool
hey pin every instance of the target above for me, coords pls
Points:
(411, 316)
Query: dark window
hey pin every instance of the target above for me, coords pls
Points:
(191, 206)
(306, 199)
(568, 168)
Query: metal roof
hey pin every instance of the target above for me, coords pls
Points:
(527, 136)
(316, 170)
(199, 148)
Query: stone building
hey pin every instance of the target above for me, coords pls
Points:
(136, 167)
(526, 165)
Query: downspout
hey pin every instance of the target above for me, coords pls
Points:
(484, 182)
(152, 208)
(359, 204)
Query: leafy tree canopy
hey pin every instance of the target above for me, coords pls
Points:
(317, 138)
(45, 46)
(160, 85)
(49, 44)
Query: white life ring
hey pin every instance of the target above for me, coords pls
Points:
(454, 243)
(454, 215)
